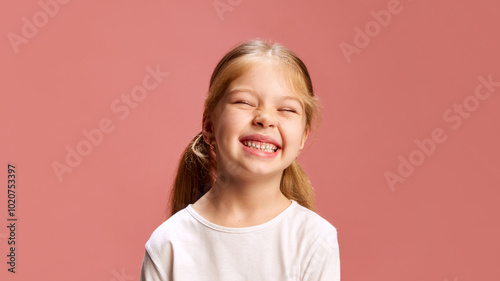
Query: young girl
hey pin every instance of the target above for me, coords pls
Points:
(242, 207)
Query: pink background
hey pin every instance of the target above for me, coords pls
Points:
(406, 79)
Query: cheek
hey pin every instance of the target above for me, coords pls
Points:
(228, 125)
(293, 132)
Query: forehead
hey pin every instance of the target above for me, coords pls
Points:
(267, 78)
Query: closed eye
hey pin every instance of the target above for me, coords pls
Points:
(243, 102)
(289, 110)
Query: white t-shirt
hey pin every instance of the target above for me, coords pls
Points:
(297, 244)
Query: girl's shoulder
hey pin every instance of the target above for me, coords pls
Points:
(313, 230)
(170, 230)
(310, 222)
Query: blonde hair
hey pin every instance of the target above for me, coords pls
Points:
(197, 168)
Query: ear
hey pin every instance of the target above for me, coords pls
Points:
(304, 137)
(207, 130)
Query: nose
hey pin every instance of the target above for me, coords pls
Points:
(264, 119)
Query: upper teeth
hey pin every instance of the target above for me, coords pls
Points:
(261, 145)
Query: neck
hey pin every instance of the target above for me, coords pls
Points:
(248, 197)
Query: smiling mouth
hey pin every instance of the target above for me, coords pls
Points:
(267, 147)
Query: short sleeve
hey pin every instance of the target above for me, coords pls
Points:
(150, 270)
(324, 262)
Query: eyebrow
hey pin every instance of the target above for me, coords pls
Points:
(234, 91)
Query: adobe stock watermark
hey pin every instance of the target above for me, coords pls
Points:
(49, 9)
(372, 29)
(117, 276)
(454, 117)
(121, 107)
(223, 6)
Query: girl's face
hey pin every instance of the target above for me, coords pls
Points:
(259, 125)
